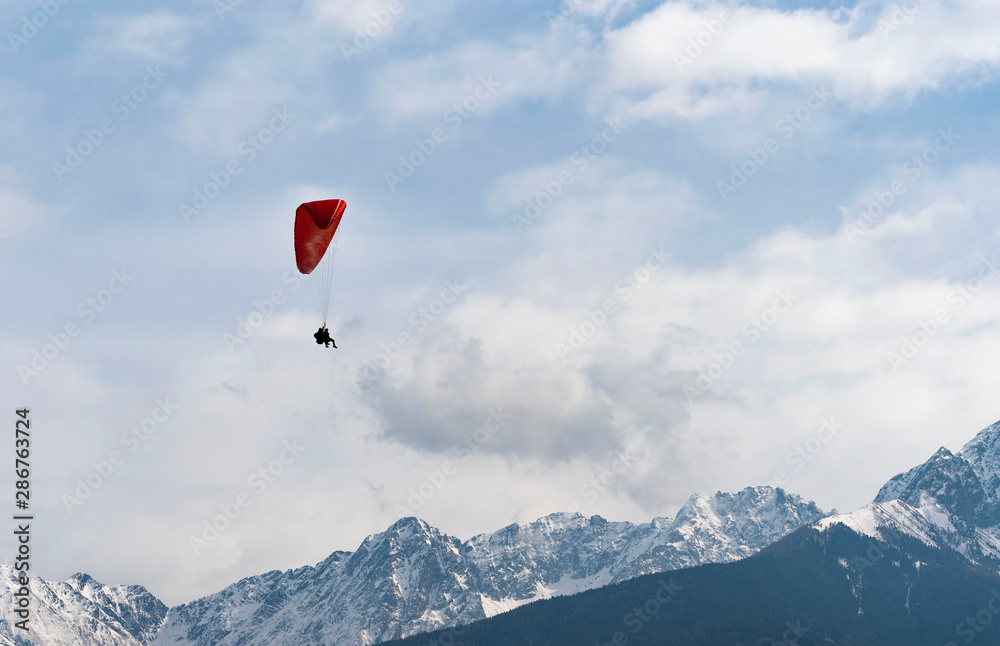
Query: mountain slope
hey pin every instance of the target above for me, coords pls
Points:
(80, 612)
(958, 494)
(816, 586)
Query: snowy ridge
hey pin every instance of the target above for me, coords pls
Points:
(412, 578)
(925, 524)
(951, 500)
(80, 612)
(983, 453)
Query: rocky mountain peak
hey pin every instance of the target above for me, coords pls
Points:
(81, 606)
(983, 453)
(966, 485)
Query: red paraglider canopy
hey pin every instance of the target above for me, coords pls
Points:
(315, 225)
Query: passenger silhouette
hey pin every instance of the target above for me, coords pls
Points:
(323, 337)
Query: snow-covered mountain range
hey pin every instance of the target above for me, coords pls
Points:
(413, 578)
(80, 612)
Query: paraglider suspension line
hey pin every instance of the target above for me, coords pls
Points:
(322, 279)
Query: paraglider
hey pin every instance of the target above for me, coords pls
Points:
(316, 228)
(323, 337)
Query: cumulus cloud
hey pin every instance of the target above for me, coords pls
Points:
(686, 60)
(709, 367)
(553, 412)
(693, 61)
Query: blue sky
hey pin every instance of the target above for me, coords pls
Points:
(638, 322)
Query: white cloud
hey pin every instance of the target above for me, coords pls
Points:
(160, 36)
(350, 17)
(658, 63)
(823, 357)
(513, 73)
(654, 68)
